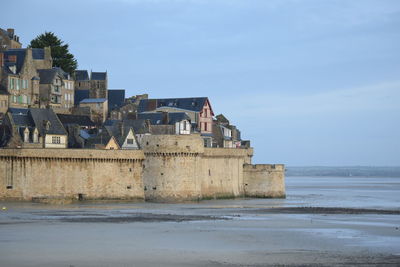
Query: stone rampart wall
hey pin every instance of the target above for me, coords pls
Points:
(29, 174)
(168, 168)
(264, 180)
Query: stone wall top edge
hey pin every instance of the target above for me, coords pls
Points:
(72, 153)
(259, 167)
(233, 152)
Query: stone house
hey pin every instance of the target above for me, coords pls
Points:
(19, 77)
(56, 89)
(82, 80)
(197, 108)
(179, 122)
(8, 40)
(35, 128)
(98, 108)
(116, 135)
(77, 127)
(225, 134)
(98, 85)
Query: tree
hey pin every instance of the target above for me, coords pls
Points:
(59, 51)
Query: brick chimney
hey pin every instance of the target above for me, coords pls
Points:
(165, 117)
(1, 59)
(10, 31)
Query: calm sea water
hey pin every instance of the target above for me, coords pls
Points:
(352, 192)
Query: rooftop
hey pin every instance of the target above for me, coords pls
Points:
(93, 100)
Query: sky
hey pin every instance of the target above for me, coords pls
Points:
(309, 82)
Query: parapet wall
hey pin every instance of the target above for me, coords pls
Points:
(29, 174)
(264, 180)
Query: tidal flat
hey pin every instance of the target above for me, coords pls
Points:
(324, 221)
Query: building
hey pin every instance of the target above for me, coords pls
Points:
(8, 40)
(98, 108)
(224, 134)
(116, 135)
(82, 80)
(116, 99)
(19, 77)
(78, 128)
(98, 85)
(168, 122)
(197, 108)
(56, 89)
(35, 128)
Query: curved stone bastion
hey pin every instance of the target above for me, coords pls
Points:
(167, 168)
(180, 168)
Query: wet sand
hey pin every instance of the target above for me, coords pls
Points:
(242, 232)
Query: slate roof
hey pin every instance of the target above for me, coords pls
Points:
(80, 95)
(38, 53)
(93, 100)
(20, 53)
(190, 103)
(21, 117)
(81, 75)
(157, 117)
(116, 98)
(98, 76)
(139, 126)
(47, 76)
(8, 34)
(81, 120)
(40, 116)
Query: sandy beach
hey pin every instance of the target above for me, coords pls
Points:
(243, 232)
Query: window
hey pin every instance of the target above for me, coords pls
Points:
(205, 126)
(205, 112)
(129, 141)
(11, 82)
(184, 125)
(55, 140)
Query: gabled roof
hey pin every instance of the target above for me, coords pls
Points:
(81, 75)
(98, 76)
(190, 103)
(42, 116)
(6, 33)
(47, 76)
(116, 98)
(157, 118)
(93, 100)
(81, 120)
(21, 117)
(139, 126)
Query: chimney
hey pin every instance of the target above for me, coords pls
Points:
(10, 32)
(1, 59)
(122, 128)
(165, 119)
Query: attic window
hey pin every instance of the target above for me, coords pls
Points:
(129, 141)
(55, 140)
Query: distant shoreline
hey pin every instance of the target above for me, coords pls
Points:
(341, 171)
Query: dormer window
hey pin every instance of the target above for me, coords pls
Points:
(46, 125)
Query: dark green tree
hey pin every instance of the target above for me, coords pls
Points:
(59, 51)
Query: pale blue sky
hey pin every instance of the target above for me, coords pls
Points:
(309, 82)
